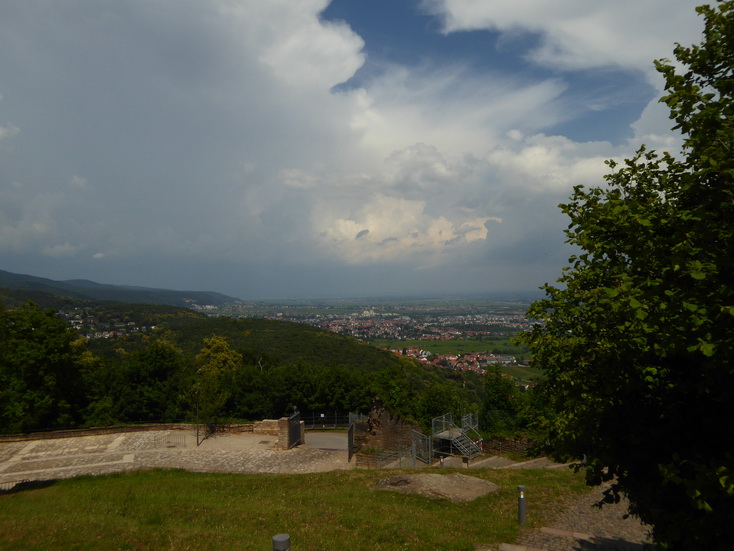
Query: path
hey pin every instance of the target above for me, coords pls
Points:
(580, 526)
(238, 453)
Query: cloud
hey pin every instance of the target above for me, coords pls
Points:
(78, 182)
(395, 229)
(452, 108)
(8, 131)
(301, 50)
(60, 250)
(575, 34)
(210, 142)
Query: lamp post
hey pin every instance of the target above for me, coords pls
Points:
(197, 416)
(281, 542)
(521, 513)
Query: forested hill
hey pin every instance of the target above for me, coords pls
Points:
(259, 340)
(180, 362)
(90, 290)
(280, 341)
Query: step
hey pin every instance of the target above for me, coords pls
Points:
(538, 463)
(513, 547)
(493, 462)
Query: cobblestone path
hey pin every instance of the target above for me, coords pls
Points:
(580, 526)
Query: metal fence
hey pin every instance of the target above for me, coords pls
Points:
(330, 420)
(441, 424)
(422, 447)
(384, 459)
(294, 430)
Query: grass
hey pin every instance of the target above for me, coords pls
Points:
(171, 509)
(523, 372)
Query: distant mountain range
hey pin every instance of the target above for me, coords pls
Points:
(89, 290)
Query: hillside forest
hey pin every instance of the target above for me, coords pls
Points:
(224, 370)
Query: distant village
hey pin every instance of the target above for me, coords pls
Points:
(477, 362)
(93, 326)
(426, 325)
(407, 322)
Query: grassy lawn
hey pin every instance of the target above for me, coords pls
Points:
(170, 509)
(522, 372)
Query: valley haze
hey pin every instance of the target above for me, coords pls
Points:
(84, 289)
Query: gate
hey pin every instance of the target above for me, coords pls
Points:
(350, 441)
(294, 429)
(422, 448)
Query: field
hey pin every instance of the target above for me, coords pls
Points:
(498, 346)
(169, 509)
(523, 372)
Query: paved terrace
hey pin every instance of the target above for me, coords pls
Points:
(241, 453)
(578, 526)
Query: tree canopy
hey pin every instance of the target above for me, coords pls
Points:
(40, 383)
(232, 369)
(637, 338)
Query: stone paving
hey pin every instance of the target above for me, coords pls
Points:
(578, 526)
(242, 453)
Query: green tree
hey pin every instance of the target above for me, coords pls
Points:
(153, 379)
(501, 402)
(217, 363)
(40, 381)
(435, 400)
(638, 339)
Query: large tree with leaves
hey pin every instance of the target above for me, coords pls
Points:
(217, 363)
(637, 340)
(40, 381)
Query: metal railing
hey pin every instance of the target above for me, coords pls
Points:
(465, 441)
(330, 420)
(422, 447)
(442, 424)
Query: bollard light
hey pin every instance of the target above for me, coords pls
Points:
(521, 504)
(281, 542)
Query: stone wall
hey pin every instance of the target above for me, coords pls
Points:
(383, 431)
(267, 426)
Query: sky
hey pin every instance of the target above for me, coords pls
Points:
(316, 148)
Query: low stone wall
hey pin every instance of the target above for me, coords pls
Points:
(70, 433)
(267, 427)
(236, 429)
(498, 446)
(270, 427)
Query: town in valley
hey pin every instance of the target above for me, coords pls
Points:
(460, 334)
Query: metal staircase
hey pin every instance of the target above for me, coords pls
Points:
(463, 441)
